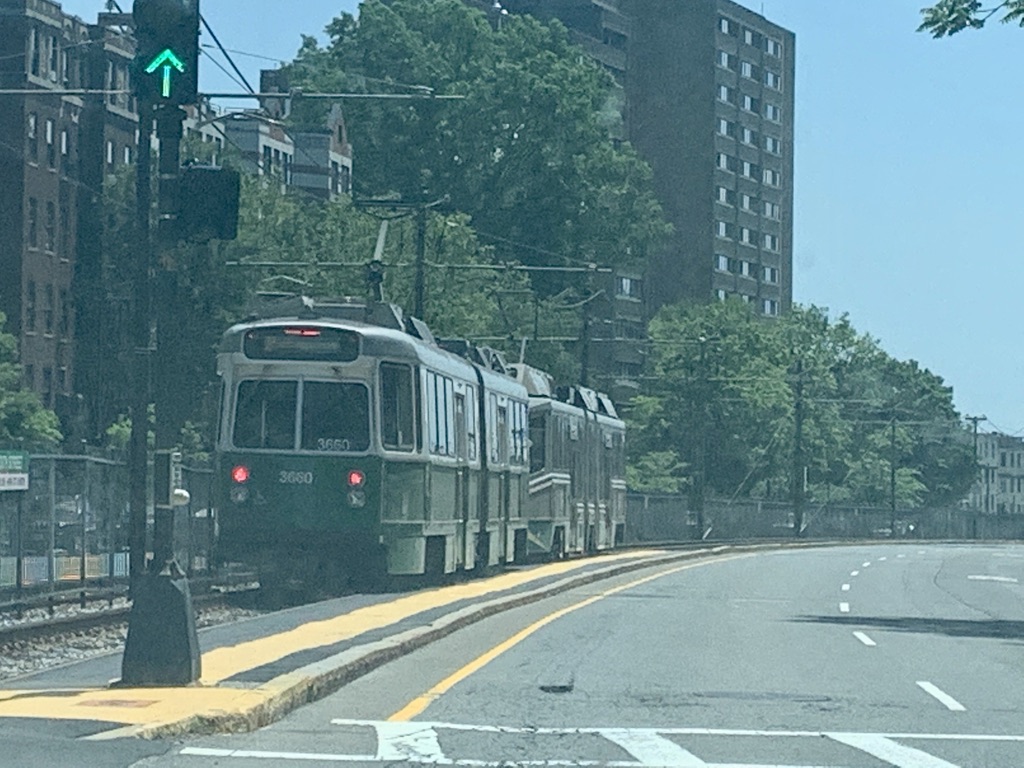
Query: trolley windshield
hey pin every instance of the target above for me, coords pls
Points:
(335, 416)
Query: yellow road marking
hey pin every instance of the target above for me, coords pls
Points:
(421, 702)
(227, 661)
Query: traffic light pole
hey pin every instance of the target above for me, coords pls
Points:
(142, 342)
(169, 121)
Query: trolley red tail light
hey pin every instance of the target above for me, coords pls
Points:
(356, 478)
(240, 474)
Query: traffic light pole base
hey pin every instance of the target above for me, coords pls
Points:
(162, 647)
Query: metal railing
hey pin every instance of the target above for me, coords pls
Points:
(71, 527)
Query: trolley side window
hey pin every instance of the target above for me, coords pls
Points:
(265, 414)
(335, 417)
(538, 438)
(396, 407)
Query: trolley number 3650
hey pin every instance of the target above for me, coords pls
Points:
(291, 477)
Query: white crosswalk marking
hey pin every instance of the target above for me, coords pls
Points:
(898, 755)
(497, 746)
(651, 749)
(412, 741)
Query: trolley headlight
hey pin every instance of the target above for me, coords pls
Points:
(239, 494)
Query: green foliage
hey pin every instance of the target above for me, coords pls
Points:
(526, 154)
(24, 422)
(947, 17)
(725, 385)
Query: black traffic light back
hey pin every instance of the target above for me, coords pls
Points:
(167, 51)
(208, 203)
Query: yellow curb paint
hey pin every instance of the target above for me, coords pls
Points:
(223, 663)
(153, 707)
(421, 702)
(135, 706)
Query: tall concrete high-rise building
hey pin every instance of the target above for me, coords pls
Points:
(709, 90)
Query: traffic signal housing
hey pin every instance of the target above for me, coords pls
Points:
(167, 51)
(208, 203)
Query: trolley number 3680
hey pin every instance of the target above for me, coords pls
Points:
(291, 477)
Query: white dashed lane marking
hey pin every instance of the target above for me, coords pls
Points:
(865, 639)
(947, 701)
(844, 607)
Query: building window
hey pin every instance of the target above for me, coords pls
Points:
(727, 26)
(720, 294)
(750, 37)
(48, 309)
(65, 232)
(54, 55)
(772, 47)
(721, 263)
(726, 196)
(746, 202)
(726, 94)
(772, 80)
(727, 61)
(127, 155)
(772, 178)
(750, 104)
(771, 243)
(65, 145)
(726, 128)
(33, 222)
(750, 170)
(33, 137)
(772, 145)
(30, 306)
(48, 386)
(51, 149)
(771, 275)
(747, 237)
(33, 52)
(268, 162)
(749, 137)
(772, 211)
(628, 286)
(64, 326)
(770, 307)
(110, 153)
(750, 71)
(50, 227)
(773, 113)
(726, 162)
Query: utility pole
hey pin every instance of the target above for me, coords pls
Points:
(798, 451)
(892, 474)
(974, 429)
(702, 441)
(420, 286)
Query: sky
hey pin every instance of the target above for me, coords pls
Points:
(909, 175)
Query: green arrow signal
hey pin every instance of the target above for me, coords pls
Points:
(169, 61)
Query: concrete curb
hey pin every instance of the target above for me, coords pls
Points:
(288, 692)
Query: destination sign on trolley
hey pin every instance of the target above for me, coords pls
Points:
(300, 342)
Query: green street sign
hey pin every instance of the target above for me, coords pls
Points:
(13, 471)
(169, 62)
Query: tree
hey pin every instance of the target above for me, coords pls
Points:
(24, 422)
(525, 154)
(947, 17)
(728, 387)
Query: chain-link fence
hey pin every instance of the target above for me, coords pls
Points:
(652, 518)
(71, 526)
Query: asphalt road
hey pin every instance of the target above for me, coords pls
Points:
(886, 655)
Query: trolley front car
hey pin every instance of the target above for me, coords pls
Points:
(352, 445)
